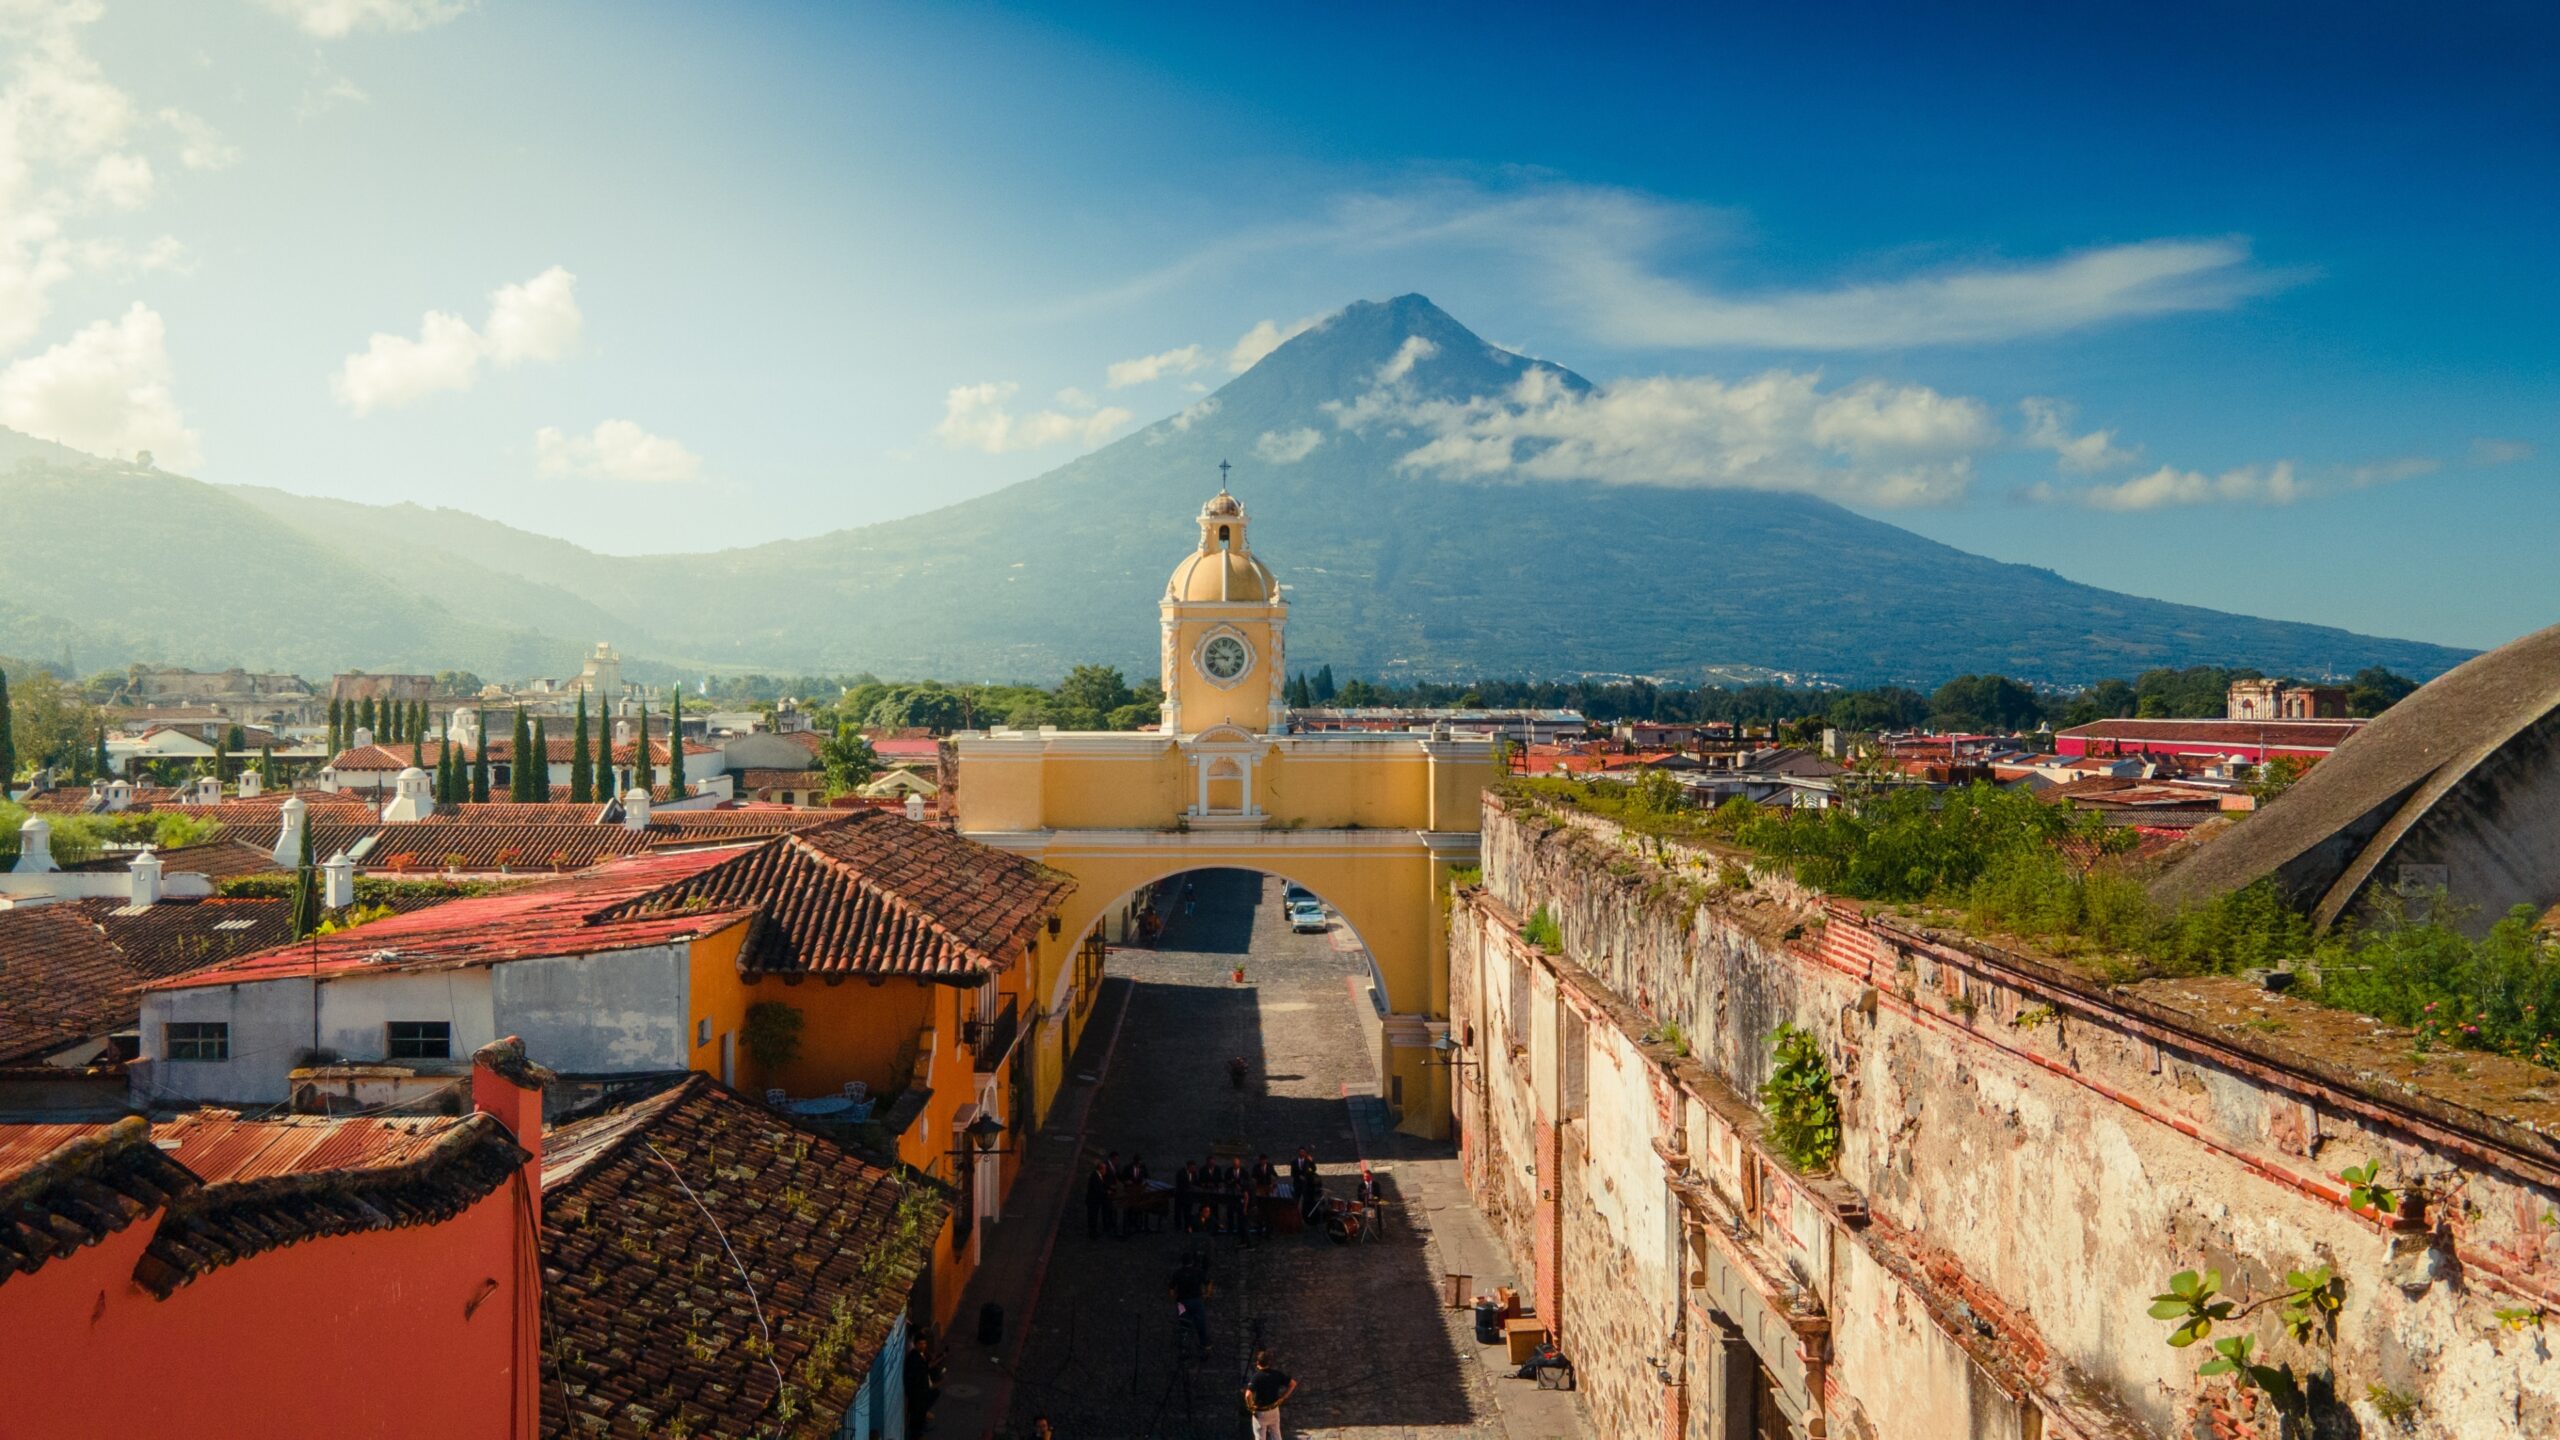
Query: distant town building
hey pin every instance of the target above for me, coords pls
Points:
(2275, 700)
(403, 689)
(2253, 742)
(601, 677)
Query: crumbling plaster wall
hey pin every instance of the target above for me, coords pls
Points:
(2038, 1157)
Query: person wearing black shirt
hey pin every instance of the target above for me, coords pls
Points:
(1183, 1181)
(1372, 1199)
(1231, 1184)
(1263, 1393)
(1097, 1198)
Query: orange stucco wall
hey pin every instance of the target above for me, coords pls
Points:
(350, 1335)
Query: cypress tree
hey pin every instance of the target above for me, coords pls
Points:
(418, 719)
(8, 740)
(644, 768)
(221, 758)
(1324, 684)
(418, 749)
(582, 770)
(480, 762)
(306, 889)
(100, 758)
(541, 758)
(267, 764)
(675, 745)
(444, 771)
(367, 719)
(336, 715)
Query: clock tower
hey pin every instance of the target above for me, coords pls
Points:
(1223, 617)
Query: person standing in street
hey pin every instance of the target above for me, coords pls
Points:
(1097, 1197)
(1263, 1392)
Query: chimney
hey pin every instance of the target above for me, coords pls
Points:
(252, 784)
(208, 791)
(288, 851)
(146, 880)
(35, 847)
(415, 798)
(119, 796)
(363, 737)
(635, 809)
(338, 882)
(915, 807)
(621, 732)
(507, 1085)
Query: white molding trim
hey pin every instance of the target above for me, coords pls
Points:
(1439, 844)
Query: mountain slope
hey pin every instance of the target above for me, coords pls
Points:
(141, 565)
(1393, 572)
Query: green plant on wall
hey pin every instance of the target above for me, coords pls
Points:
(772, 1033)
(1542, 931)
(1804, 1113)
(2195, 1304)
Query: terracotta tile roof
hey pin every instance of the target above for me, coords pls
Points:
(762, 779)
(222, 858)
(635, 1339)
(61, 981)
(693, 827)
(544, 812)
(567, 916)
(69, 971)
(435, 844)
(2227, 734)
(231, 1189)
(373, 757)
(563, 751)
(875, 894)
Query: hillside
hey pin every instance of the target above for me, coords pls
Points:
(1394, 573)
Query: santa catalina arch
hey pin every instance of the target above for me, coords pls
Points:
(1372, 822)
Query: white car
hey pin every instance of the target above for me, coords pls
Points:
(1307, 915)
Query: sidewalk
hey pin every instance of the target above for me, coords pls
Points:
(1435, 1204)
(1015, 1261)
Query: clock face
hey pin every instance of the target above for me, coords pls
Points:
(1224, 657)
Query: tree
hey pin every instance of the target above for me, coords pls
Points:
(100, 757)
(1324, 691)
(337, 726)
(676, 789)
(520, 754)
(1098, 688)
(2276, 777)
(849, 760)
(480, 761)
(222, 758)
(541, 781)
(644, 766)
(582, 770)
(369, 721)
(418, 719)
(2373, 690)
(445, 775)
(1985, 702)
(8, 740)
(418, 746)
(930, 707)
(306, 889)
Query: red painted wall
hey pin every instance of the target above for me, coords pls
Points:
(354, 1335)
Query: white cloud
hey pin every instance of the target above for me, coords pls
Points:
(1412, 352)
(1265, 337)
(200, 146)
(1289, 448)
(975, 418)
(64, 156)
(2048, 428)
(335, 19)
(1124, 373)
(2391, 472)
(394, 370)
(2170, 486)
(538, 319)
(120, 181)
(616, 450)
(105, 390)
(1183, 420)
(1623, 267)
(1871, 443)
(2488, 450)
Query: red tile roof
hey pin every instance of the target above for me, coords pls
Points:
(69, 971)
(874, 894)
(568, 916)
(2242, 734)
(639, 1343)
(222, 858)
(368, 758)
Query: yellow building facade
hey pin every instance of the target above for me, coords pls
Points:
(1371, 822)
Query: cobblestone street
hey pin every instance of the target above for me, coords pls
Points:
(1360, 1327)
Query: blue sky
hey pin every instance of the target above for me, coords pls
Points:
(2235, 305)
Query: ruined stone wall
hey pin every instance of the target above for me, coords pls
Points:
(2026, 1158)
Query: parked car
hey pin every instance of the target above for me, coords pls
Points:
(1293, 892)
(1306, 915)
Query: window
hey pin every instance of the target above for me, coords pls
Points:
(196, 1040)
(702, 1031)
(421, 1039)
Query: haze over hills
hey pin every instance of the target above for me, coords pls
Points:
(1396, 572)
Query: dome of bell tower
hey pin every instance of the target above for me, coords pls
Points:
(1223, 570)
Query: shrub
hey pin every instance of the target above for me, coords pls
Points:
(772, 1033)
(1804, 1114)
(1542, 931)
